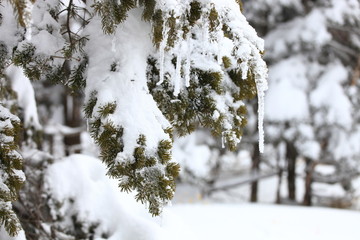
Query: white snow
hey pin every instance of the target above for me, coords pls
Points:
(342, 8)
(46, 43)
(136, 110)
(26, 97)
(96, 198)
(5, 236)
(327, 190)
(325, 169)
(260, 222)
(310, 30)
(198, 158)
(8, 27)
(330, 95)
(286, 98)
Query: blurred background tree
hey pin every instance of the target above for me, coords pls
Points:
(312, 108)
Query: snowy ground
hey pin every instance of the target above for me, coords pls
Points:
(96, 198)
(266, 222)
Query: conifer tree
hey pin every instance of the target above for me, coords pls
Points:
(149, 69)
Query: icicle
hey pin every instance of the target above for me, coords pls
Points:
(180, 49)
(187, 72)
(187, 63)
(162, 54)
(161, 62)
(222, 140)
(261, 88)
(244, 70)
(219, 36)
(28, 20)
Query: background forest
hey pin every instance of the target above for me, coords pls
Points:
(311, 152)
(311, 113)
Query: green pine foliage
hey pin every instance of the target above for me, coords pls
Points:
(154, 185)
(11, 176)
(149, 8)
(8, 97)
(194, 13)
(196, 106)
(36, 66)
(76, 79)
(158, 22)
(21, 12)
(193, 107)
(65, 66)
(3, 59)
(113, 12)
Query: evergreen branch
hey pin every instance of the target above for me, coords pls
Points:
(66, 58)
(68, 22)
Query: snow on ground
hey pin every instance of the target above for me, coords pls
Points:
(5, 236)
(98, 199)
(267, 222)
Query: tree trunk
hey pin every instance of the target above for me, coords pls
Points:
(309, 170)
(255, 168)
(72, 109)
(278, 196)
(291, 155)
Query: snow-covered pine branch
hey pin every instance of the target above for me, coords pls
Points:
(149, 69)
(11, 175)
